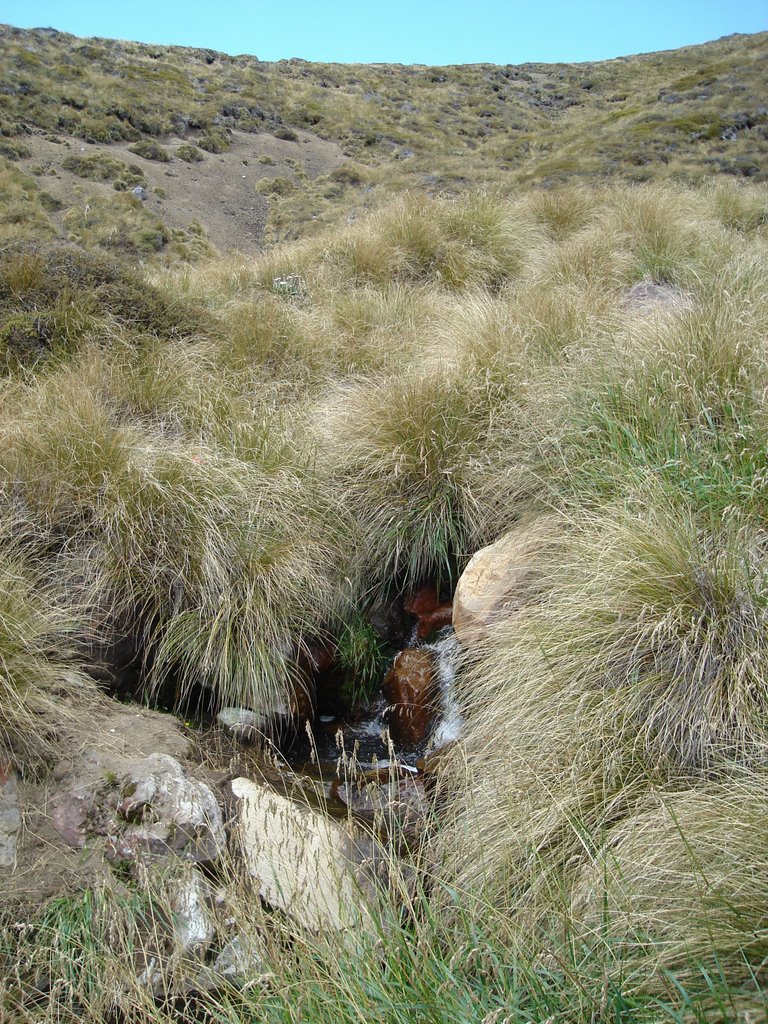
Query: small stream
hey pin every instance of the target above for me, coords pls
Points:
(365, 737)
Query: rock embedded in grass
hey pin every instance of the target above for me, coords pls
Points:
(193, 925)
(10, 816)
(243, 724)
(319, 873)
(495, 580)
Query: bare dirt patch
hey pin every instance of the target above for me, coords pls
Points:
(219, 192)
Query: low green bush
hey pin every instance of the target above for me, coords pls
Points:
(150, 150)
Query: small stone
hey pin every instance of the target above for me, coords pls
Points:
(246, 726)
(193, 925)
(140, 192)
(10, 817)
(648, 295)
(69, 814)
(240, 962)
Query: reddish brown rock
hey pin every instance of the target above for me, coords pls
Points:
(441, 616)
(411, 690)
(422, 602)
(431, 612)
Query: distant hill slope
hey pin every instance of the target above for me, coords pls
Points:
(250, 149)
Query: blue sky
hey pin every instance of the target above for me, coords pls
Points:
(420, 31)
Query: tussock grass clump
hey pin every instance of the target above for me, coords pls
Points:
(24, 210)
(636, 664)
(42, 684)
(476, 240)
(229, 565)
(405, 451)
(685, 870)
(101, 166)
(53, 296)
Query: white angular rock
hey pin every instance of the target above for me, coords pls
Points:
(240, 962)
(10, 818)
(305, 864)
(193, 925)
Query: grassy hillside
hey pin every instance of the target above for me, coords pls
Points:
(236, 460)
(172, 114)
(216, 461)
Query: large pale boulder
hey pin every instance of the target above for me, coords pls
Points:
(312, 868)
(497, 580)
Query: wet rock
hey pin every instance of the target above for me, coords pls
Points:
(440, 617)
(244, 725)
(310, 867)
(646, 296)
(431, 612)
(10, 816)
(388, 620)
(401, 802)
(498, 579)
(411, 690)
(422, 601)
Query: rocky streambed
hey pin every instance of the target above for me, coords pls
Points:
(142, 800)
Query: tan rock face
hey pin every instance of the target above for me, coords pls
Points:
(495, 580)
(305, 864)
(411, 690)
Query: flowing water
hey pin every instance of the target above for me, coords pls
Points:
(365, 738)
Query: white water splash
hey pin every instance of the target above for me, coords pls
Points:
(451, 723)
